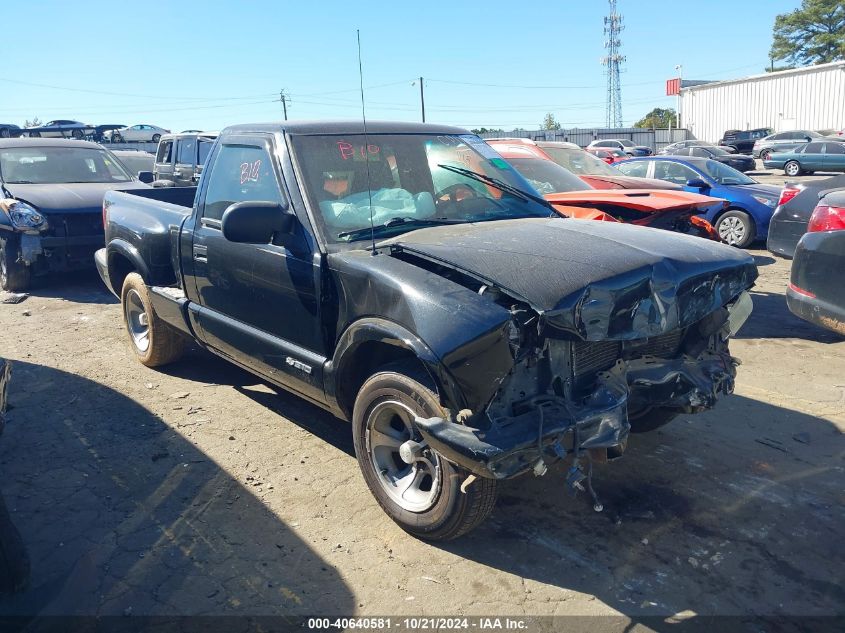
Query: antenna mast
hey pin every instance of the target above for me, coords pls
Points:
(613, 27)
(366, 142)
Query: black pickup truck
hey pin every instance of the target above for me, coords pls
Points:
(408, 280)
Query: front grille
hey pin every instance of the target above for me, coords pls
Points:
(75, 225)
(590, 357)
(663, 346)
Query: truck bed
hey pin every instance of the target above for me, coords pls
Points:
(156, 214)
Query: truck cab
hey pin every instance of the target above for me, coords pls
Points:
(180, 158)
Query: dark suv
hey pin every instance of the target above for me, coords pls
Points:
(743, 140)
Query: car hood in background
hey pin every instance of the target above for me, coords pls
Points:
(600, 181)
(594, 280)
(646, 200)
(76, 197)
(759, 189)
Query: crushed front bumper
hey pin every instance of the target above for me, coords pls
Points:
(552, 427)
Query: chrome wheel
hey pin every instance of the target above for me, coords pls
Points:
(137, 320)
(407, 470)
(792, 168)
(732, 230)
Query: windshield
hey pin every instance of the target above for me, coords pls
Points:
(414, 180)
(546, 176)
(57, 165)
(578, 161)
(725, 175)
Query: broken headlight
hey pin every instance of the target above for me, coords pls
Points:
(23, 216)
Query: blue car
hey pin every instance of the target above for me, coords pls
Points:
(751, 204)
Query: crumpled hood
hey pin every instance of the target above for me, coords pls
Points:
(76, 197)
(595, 280)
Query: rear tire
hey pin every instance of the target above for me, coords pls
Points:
(792, 168)
(4, 132)
(424, 498)
(15, 276)
(35, 134)
(765, 154)
(77, 134)
(154, 342)
(156, 138)
(116, 138)
(735, 228)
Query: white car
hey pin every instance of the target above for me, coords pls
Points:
(141, 132)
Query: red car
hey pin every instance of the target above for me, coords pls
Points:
(609, 156)
(592, 170)
(572, 197)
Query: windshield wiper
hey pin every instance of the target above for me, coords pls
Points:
(393, 222)
(500, 185)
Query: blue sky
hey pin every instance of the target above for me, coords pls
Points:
(188, 64)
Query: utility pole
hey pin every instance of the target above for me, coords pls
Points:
(284, 99)
(680, 70)
(422, 100)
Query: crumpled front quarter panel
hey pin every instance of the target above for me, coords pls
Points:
(465, 331)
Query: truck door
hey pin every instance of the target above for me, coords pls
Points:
(163, 169)
(186, 158)
(258, 302)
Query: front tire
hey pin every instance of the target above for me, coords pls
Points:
(423, 497)
(154, 342)
(792, 168)
(735, 228)
(15, 276)
(156, 138)
(116, 138)
(765, 154)
(35, 135)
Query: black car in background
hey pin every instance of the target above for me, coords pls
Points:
(670, 149)
(9, 130)
(740, 162)
(56, 223)
(742, 141)
(816, 292)
(795, 206)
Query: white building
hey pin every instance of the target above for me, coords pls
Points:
(810, 98)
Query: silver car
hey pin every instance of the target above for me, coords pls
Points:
(138, 133)
(783, 142)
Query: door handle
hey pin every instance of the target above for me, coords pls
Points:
(200, 253)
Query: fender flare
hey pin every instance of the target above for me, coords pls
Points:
(124, 248)
(384, 331)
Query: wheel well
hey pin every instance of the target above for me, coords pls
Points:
(119, 267)
(366, 360)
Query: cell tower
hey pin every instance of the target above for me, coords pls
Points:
(612, 28)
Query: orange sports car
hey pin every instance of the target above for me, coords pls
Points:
(668, 209)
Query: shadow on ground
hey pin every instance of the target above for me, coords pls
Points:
(122, 515)
(78, 287)
(772, 319)
(720, 514)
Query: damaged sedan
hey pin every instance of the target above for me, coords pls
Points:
(55, 222)
(407, 279)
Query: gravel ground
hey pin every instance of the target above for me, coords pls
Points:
(198, 489)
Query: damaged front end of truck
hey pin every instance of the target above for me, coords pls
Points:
(579, 374)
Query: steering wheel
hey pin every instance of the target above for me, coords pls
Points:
(457, 192)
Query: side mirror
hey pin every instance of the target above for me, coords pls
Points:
(697, 183)
(146, 176)
(256, 222)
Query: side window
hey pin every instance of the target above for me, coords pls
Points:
(185, 149)
(813, 148)
(203, 150)
(674, 172)
(241, 173)
(700, 151)
(637, 169)
(834, 148)
(684, 151)
(165, 152)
